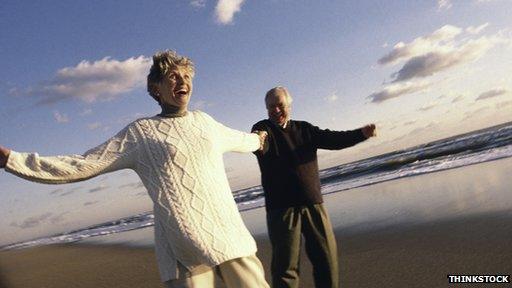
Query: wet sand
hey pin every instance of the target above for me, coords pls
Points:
(410, 232)
(411, 256)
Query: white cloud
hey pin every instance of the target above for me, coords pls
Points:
(421, 45)
(439, 51)
(226, 9)
(475, 113)
(492, 93)
(60, 118)
(444, 4)
(98, 188)
(100, 80)
(198, 3)
(331, 98)
(428, 106)
(476, 30)
(398, 89)
(35, 221)
(94, 126)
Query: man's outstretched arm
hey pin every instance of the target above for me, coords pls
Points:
(334, 140)
(4, 155)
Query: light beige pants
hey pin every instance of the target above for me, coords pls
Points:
(245, 272)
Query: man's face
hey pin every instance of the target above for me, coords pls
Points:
(176, 87)
(278, 107)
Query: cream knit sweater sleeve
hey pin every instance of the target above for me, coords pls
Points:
(115, 154)
(233, 140)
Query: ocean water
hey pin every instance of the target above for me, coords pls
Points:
(477, 147)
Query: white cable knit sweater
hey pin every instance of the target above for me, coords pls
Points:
(179, 160)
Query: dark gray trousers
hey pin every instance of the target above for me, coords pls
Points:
(285, 227)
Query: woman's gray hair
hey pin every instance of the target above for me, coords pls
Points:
(273, 91)
(163, 62)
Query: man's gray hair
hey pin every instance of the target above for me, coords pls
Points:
(163, 62)
(273, 91)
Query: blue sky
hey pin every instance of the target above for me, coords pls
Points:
(73, 74)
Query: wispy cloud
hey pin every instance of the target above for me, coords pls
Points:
(56, 191)
(458, 98)
(444, 4)
(61, 192)
(440, 50)
(398, 89)
(421, 45)
(91, 81)
(198, 3)
(89, 203)
(35, 221)
(425, 56)
(60, 118)
(132, 185)
(32, 221)
(471, 114)
(226, 9)
(99, 188)
(94, 126)
(331, 98)
(492, 93)
(410, 122)
(433, 62)
(427, 107)
(476, 30)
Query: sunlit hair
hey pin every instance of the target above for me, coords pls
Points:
(272, 92)
(163, 62)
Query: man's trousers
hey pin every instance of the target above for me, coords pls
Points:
(285, 227)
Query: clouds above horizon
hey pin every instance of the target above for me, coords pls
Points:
(426, 56)
(35, 221)
(398, 89)
(440, 50)
(91, 81)
(444, 4)
(492, 93)
(447, 4)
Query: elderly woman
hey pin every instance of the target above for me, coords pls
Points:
(178, 156)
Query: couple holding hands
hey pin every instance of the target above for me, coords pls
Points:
(178, 156)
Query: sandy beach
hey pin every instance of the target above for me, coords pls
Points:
(411, 232)
(416, 256)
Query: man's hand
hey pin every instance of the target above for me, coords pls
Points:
(263, 136)
(4, 155)
(369, 131)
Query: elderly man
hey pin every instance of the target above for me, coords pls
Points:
(178, 156)
(289, 175)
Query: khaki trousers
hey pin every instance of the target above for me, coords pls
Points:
(244, 272)
(285, 228)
